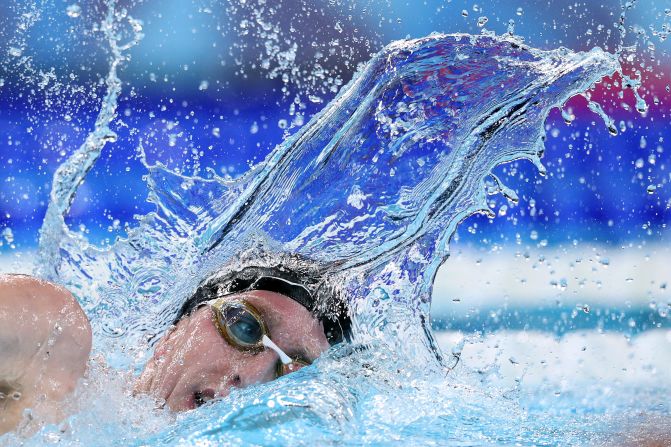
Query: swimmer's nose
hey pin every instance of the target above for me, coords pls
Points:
(259, 368)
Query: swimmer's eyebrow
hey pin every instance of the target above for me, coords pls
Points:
(272, 321)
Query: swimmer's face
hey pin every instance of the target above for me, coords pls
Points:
(193, 363)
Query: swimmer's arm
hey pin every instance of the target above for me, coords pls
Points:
(45, 341)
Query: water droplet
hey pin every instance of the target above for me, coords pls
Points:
(464, 13)
(482, 21)
(596, 108)
(8, 235)
(651, 189)
(254, 129)
(16, 52)
(511, 27)
(73, 11)
(519, 11)
(203, 85)
(109, 138)
(568, 116)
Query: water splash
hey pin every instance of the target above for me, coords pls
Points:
(71, 173)
(371, 189)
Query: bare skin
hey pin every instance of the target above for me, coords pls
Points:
(45, 343)
(194, 362)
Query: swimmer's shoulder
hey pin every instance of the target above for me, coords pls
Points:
(45, 342)
(38, 309)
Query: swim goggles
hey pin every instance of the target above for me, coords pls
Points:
(242, 327)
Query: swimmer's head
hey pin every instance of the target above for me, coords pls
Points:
(239, 329)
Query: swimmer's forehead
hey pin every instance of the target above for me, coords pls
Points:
(274, 307)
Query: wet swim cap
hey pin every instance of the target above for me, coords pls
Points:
(280, 280)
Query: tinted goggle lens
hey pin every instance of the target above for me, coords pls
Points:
(242, 326)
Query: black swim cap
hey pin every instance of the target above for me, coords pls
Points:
(280, 280)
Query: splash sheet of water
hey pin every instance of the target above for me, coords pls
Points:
(370, 191)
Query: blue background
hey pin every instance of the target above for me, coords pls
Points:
(594, 191)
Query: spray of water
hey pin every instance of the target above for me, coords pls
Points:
(71, 173)
(371, 190)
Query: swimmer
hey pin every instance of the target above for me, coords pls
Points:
(236, 330)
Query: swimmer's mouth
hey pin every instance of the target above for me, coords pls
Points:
(202, 397)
